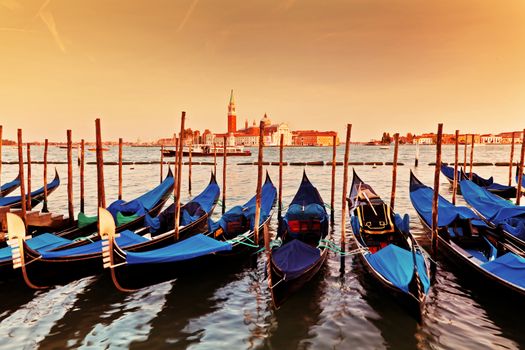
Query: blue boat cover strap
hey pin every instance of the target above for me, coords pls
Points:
(190, 248)
(447, 212)
(397, 266)
(294, 257)
(44, 241)
(7, 201)
(509, 267)
(126, 238)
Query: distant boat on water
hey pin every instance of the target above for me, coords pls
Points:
(208, 151)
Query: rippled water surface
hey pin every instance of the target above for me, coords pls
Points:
(219, 309)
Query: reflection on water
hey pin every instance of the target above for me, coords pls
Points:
(232, 308)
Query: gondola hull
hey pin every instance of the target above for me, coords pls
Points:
(283, 288)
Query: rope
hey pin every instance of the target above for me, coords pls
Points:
(328, 206)
(83, 238)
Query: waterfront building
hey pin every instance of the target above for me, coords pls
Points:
(314, 138)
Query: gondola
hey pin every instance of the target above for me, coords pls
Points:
(507, 217)
(10, 186)
(489, 184)
(299, 252)
(522, 180)
(387, 249)
(72, 260)
(228, 240)
(469, 243)
(37, 196)
(129, 215)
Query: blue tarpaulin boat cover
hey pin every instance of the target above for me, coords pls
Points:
(509, 267)
(397, 266)
(190, 248)
(8, 185)
(6, 201)
(447, 212)
(190, 212)
(45, 241)
(268, 195)
(294, 257)
(494, 208)
(449, 173)
(126, 238)
(142, 204)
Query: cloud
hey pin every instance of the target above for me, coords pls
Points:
(49, 20)
(12, 5)
(187, 16)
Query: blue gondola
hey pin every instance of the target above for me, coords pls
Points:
(489, 184)
(37, 196)
(469, 242)
(232, 237)
(504, 215)
(387, 249)
(299, 252)
(61, 260)
(9, 187)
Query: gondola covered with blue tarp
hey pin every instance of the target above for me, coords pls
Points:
(471, 244)
(229, 239)
(37, 196)
(387, 249)
(77, 258)
(509, 217)
(9, 187)
(503, 191)
(299, 253)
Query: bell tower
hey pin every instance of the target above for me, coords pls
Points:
(232, 117)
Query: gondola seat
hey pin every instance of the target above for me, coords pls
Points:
(375, 219)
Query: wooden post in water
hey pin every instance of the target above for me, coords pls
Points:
(280, 203)
(214, 158)
(29, 207)
(189, 166)
(332, 190)
(44, 205)
(175, 166)
(82, 159)
(179, 174)
(511, 159)
(1, 141)
(224, 175)
(394, 172)
(520, 170)
(471, 155)
(100, 167)
(455, 183)
(21, 174)
(435, 197)
(71, 212)
(259, 184)
(345, 189)
(416, 162)
(120, 168)
(465, 153)
(161, 163)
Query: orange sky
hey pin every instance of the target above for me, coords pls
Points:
(393, 65)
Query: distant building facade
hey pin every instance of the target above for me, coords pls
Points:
(314, 138)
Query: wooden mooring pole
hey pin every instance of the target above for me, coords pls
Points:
(520, 170)
(101, 192)
(71, 212)
(161, 163)
(511, 158)
(28, 148)
(332, 189)
(280, 203)
(465, 153)
(394, 172)
(46, 147)
(456, 155)
(21, 174)
(224, 175)
(1, 141)
(179, 175)
(435, 197)
(189, 166)
(214, 159)
(416, 161)
(120, 168)
(259, 184)
(471, 155)
(82, 160)
(345, 189)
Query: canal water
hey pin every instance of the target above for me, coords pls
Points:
(218, 310)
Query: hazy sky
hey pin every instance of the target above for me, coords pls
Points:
(393, 65)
